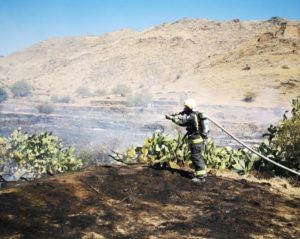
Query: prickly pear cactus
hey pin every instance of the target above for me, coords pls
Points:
(164, 150)
(34, 155)
(160, 149)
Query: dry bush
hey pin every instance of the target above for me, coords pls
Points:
(122, 89)
(100, 92)
(45, 108)
(142, 98)
(83, 92)
(21, 88)
(285, 67)
(60, 99)
(249, 96)
(3, 95)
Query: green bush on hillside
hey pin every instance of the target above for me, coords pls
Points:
(122, 89)
(100, 92)
(60, 99)
(142, 98)
(249, 96)
(21, 88)
(83, 92)
(45, 108)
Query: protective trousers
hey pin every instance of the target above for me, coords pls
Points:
(196, 148)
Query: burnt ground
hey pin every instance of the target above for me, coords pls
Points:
(143, 202)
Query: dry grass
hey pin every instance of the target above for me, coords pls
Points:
(277, 184)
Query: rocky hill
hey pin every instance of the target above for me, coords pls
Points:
(196, 57)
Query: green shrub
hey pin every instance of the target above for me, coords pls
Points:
(45, 108)
(83, 92)
(122, 89)
(282, 142)
(3, 95)
(140, 99)
(21, 88)
(85, 157)
(100, 92)
(40, 153)
(249, 96)
(289, 138)
(60, 99)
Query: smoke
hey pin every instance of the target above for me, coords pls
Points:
(84, 128)
(108, 129)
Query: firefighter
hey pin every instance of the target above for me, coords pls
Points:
(196, 126)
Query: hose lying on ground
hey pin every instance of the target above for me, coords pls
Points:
(252, 150)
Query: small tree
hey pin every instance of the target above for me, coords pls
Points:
(60, 99)
(45, 108)
(21, 88)
(282, 142)
(142, 98)
(289, 134)
(249, 96)
(122, 89)
(100, 92)
(83, 91)
(3, 95)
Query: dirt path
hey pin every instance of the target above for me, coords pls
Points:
(142, 202)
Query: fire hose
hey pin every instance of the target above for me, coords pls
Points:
(251, 149)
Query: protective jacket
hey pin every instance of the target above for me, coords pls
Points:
(192, 124)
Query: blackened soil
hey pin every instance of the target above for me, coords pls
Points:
(142, 202)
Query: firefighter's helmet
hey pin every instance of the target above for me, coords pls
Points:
(191, 104)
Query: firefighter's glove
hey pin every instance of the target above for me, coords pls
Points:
(168, 117)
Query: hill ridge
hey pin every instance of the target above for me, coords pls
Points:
(185, 55)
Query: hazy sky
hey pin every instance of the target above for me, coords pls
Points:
(26, 22)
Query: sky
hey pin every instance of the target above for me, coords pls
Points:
(27, 22)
